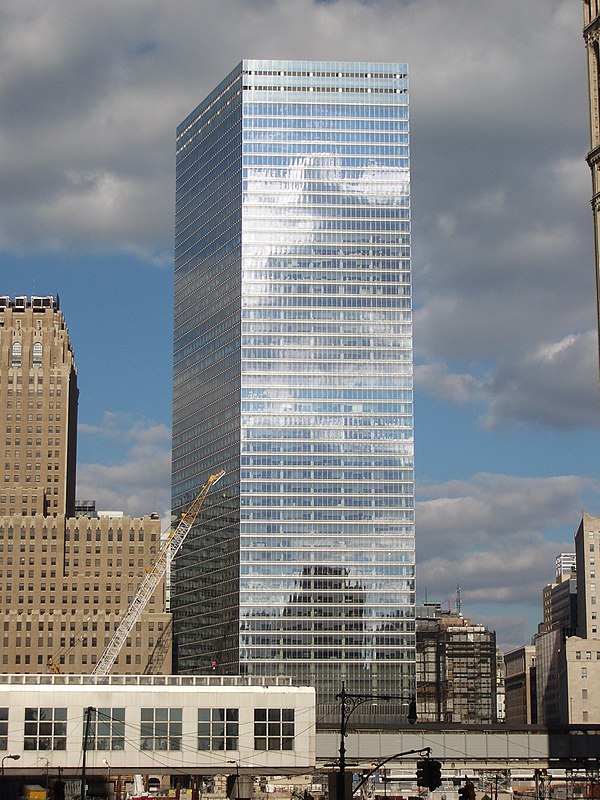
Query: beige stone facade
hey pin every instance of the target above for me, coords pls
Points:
(64, 584)
(38, 404)
(560, 605)
(568, 659)
(521, 703)
(65, 581)
(587, 550)
(591, 35)
(581, 699)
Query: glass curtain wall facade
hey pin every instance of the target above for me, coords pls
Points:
(293, 372)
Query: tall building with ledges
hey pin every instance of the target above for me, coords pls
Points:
(567, 645)
(591, 36)
(65, 577)
(38, 403)
(293, 372)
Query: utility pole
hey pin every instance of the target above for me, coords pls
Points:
(14, 758)
(86, 733)
(348, 703)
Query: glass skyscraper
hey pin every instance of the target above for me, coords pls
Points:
(293, 372)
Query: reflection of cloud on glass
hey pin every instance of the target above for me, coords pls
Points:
(380, 185)
(300, 188)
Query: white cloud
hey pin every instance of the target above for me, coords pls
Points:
(140, 483)
(439, 381)
(512, 630)
(492, 202)
(495, 536)
(447, 222)
(553, 385)
(502, 230)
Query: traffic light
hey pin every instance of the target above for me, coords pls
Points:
(412, 712)
(467, 792)
(433, 775)
(429, 774)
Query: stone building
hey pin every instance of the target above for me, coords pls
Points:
(568, 644)
(520, 686)
(65, 580)
(38, 408)
(591, 36)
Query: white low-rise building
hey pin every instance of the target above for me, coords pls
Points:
(194, 724)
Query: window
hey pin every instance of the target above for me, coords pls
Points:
(3, 728)
(17, 350)
(37, 354)
(273, 728)
(160, 729)
(45, 729)
(218, 728)
(107, 729)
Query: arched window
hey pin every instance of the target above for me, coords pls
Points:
(37, 354)
(16, 354)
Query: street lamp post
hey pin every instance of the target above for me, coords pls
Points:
(235, 793)
(108, 792)
(14, 758)
(348, 703)
(240, 787)
(47, 767)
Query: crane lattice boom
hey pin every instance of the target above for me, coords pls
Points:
(153, 576)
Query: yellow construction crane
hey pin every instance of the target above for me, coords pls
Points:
(154, 574)
(55, 661)
(53, 666)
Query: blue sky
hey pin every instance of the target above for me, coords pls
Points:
(507, 401)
